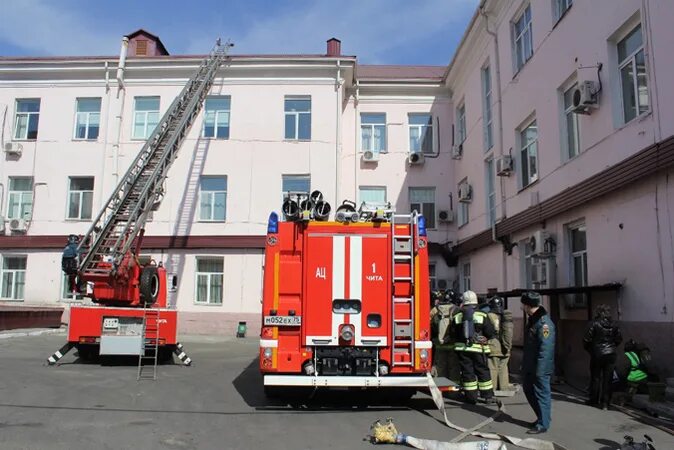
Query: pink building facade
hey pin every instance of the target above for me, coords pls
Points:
(492, 148)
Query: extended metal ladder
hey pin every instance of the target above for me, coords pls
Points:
(149, 355)
(116, 227)
(402, 260)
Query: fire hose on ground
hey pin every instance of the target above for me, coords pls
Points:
(386, 433)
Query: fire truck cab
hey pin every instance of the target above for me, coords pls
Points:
(346, 303)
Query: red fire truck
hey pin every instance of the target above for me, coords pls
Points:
(345, 303)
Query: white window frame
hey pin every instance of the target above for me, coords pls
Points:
(422, 128)
(14, 295)
(144, 115)
(67, 296)
(209, 276)
(465, 276)
(28, 115)
(361, 189)
(631, 60)
(463, 210)
(527, 147)
(86, 117)
(216, 117)
(560, 8)
(372, 127)
(488, 116)
(294, 177)
(526, 33)
(211, 198)
(430, 219)
(22, 195)
(461, 123)
(81, 193)
(297, 115)
(490, 190)
(568, 114)
(433, 275)
(582, 254)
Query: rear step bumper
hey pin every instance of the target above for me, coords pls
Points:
(350, 381)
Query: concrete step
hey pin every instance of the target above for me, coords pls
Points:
(658, 409)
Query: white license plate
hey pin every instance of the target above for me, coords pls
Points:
(111, 323)
(283, 321)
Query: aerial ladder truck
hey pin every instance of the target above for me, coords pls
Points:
(130, 315)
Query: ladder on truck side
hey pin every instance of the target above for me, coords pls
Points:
(122, 220)
(149, 353)
(403, 241)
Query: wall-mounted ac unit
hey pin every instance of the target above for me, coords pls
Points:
(465, 193)
(2, 224)
(457, 151)
(370, 156)
(416, 158)
(584, 97)
(17, 225)
(541, 244)
(543, 273)
(446, 216)
(443, 284)
(13, 148)
(504, 165)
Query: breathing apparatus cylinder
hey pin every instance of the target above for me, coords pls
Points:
(291, 210)
(322, 210)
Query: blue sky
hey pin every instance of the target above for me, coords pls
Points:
(424, 32)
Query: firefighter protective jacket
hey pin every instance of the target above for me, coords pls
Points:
(484, 330)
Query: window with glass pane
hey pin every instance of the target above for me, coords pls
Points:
(145, 116)
(66, 294)
(572, 141)
(633, 76)
(213, 198)
(422, 200)
(20, 198)
(461, 124)
(80, 197)
(491, 191)
(295, 183)
(298, 118)
(216, 117)
(13, 277)
(421, 133)
(487, 122)
(529, 154)
(463, 215)
(373, 132)
(561, 6)
(372, 194)
(578, 240)
(431, 276)
(87, 118)
(465, 277)
(209, 281)
(26, 119)
(523, 39)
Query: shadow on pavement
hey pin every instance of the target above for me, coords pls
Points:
(607, 444)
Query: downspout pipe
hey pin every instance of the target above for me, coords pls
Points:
(121, 96)
(338, 129)
(122, 62)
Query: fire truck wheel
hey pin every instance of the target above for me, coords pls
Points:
(272, 391)
(149, 285)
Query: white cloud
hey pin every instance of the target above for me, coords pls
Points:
(52, 28)
(368, 29)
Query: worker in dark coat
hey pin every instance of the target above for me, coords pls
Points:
(600, 340)
(538, 360)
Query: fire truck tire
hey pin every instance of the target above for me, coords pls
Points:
(149, 285)
(272, 391)
(87, 352)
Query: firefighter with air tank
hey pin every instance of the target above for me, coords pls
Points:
(446, 363)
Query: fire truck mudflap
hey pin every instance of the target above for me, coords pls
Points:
(346, 304)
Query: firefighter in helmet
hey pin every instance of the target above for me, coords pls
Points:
(70, 261)
(501, 344)
(445, 362)
(472, 330)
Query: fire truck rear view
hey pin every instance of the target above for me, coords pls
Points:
(345, 302)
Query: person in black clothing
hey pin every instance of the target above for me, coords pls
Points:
(601, 339)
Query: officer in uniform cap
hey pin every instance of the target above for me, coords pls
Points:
(538, 360)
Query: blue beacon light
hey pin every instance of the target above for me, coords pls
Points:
(272, 223)
(422, 226)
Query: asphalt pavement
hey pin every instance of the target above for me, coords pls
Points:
(218, 403)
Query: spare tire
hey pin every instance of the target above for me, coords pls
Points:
(149, 285)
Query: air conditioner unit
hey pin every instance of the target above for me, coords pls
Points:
(369, 155)
(504, 165)
(18, 225)
(538, 274)
(446, 216)
(457, 151)
(465, 193)
(584, 97)
(13, 148)
(541, 243)
(443, 284)
(416, 158)
(2, 224)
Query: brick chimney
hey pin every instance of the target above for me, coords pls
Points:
(334, 47)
